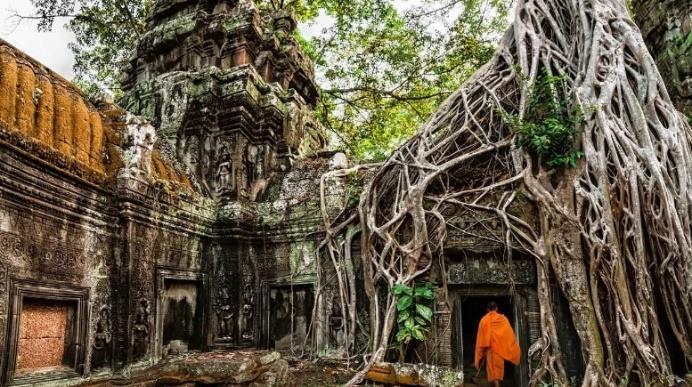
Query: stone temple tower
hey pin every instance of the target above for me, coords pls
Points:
(231, 90)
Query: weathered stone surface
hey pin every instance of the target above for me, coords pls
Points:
(270, 358)
(415, 375)
(666, 26)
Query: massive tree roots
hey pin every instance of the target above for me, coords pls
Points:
(614, 232)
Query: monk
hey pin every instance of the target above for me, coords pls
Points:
(496, 342)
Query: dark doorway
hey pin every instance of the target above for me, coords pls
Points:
(468, 313)
(182, 311)
(290, 315)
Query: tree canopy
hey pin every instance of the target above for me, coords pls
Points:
(383, 67)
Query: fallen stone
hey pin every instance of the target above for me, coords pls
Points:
(280, 368)
(270, 358)
(250, 370)
(267, 379)
(248, 365)
(415, 375)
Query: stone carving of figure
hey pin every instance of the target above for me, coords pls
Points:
(246, 328)
(259, 171)
(283, 25)
(102, 339)
(241, 172)
(140, 329)
(174, 108)
(336, 327)
(206, 169)
(141, 138)
(252, 151)
(225, 315)
(192, 153)
(224, 176)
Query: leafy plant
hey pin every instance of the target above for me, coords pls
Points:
(414, 313)
(549, 127)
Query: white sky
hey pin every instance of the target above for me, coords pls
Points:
(51, 48)
(48, 48)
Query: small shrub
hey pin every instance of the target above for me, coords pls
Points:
(549, 127)
(414, 313)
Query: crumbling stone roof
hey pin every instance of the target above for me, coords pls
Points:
(46, 116)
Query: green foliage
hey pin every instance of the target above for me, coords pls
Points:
(106, 32)
(353, 190)
(550, 124)
(414, 311)
(682, 45)
(383, 65)
(384, 70)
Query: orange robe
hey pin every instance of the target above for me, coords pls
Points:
(496, 341)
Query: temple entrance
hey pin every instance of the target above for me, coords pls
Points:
(180, 312)
(182, 324)
(290, 314)
(469, 311)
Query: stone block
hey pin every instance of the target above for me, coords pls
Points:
(270, 358)
(40, 353)
(8, 88)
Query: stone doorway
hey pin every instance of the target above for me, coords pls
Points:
(469, 306)
(180, 313)
(289, 316)
(472, 309)
(47, 332)
(182, 317)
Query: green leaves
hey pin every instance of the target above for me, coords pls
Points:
(105, 31)
(404, 302)
(550, 127)
(424, 312)
(425, 291)
(414, 308)
(400, 289)
(384, 69)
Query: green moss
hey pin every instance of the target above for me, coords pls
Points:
(169, 31)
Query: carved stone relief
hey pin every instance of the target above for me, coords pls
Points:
(47, 256)
(224, 303)
(141, 330)
(225, 171)
(167, 248)
(101, 354)
(336, 325)
(3, 278)
(247, 333)
(491, 270)
(191, 153)
(141, 137)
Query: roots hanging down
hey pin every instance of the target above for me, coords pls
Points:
(614, 231)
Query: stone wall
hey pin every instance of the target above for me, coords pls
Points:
(666, 26)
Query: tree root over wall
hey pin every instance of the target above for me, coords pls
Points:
(614, 232)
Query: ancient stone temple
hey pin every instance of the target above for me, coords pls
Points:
(179, 220)
(185, 218)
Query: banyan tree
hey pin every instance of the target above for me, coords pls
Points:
(571, 116)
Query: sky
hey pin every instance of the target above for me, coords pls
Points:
(48, 48)
(51, 48)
